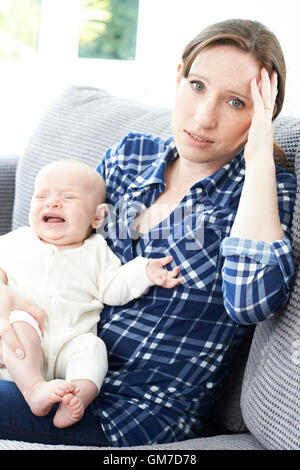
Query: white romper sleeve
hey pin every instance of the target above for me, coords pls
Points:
(119, 284)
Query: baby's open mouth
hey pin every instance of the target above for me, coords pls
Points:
(49, 219)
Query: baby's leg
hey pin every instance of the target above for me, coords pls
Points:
(73, 406)
(83, 361)
(26, 373)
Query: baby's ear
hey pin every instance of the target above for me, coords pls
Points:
(101, 213)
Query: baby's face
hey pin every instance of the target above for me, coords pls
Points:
(64, 204)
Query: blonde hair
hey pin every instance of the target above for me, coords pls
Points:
(98, 183)
(252, 37)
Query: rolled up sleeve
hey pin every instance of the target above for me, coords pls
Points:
(257, 278)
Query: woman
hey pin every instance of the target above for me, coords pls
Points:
(211, 197)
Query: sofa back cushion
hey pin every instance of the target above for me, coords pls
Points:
(271, 390)
(82, 124)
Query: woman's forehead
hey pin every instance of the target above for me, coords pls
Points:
(225, 62)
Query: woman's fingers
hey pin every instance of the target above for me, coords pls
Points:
(8, 335)
(264, 94)
(274, 89)
(9, 301)
(256, 96)
(33, 310)
(260, 135)
(265, 88)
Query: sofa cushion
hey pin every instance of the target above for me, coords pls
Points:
(222, 442)
(7, 191)
(82, 124)
(271, 389)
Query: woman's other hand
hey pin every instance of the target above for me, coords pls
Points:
(10, 300)
(258, 216)
(259, 146)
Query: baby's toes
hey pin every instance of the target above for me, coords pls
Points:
(61, 391)
(74, 388)
(62, 388)
(67, 399)
(76, 407)
(68, 387)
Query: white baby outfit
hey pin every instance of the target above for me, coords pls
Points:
(70, 286)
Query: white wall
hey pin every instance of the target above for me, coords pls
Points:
(165, 26)
(165, 35)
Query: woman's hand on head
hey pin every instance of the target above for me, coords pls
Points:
(9, 301)
(260, 137)
(160, 276)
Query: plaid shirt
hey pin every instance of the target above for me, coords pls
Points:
(169, 350)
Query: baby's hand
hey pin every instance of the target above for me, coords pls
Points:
(160, 276)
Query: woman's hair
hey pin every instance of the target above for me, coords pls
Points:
(252, 37)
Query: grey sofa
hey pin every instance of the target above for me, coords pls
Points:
(259, 406)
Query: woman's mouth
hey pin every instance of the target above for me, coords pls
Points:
(199, 138)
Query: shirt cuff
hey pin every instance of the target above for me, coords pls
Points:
(260, 251)
(139, 278)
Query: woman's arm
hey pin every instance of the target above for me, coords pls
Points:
(257, 278)
(257, 217)
(258, 268)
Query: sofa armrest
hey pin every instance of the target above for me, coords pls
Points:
(8, 166)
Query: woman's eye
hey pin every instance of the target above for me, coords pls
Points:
(198, 86)
(236, 103)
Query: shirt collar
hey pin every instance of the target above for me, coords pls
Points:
(155, 173)
(218, 187)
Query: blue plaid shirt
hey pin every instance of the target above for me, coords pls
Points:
(169, 350)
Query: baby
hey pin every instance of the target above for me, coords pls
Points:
(70, 273)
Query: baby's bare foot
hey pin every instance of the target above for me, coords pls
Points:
(44, 394)
(69, 411)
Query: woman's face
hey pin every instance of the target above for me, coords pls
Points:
(213, 107)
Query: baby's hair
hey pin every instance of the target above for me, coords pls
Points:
(99, 182)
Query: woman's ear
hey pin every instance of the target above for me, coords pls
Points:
(179, 75)
(101, 213)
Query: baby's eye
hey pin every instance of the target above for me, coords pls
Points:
(198, 86)
(70, 196)
(39, 196)
(236, 103)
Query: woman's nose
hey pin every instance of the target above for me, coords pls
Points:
(206, 114)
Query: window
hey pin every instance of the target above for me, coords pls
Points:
(19, 28)
(108, 29)
(47, 46)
